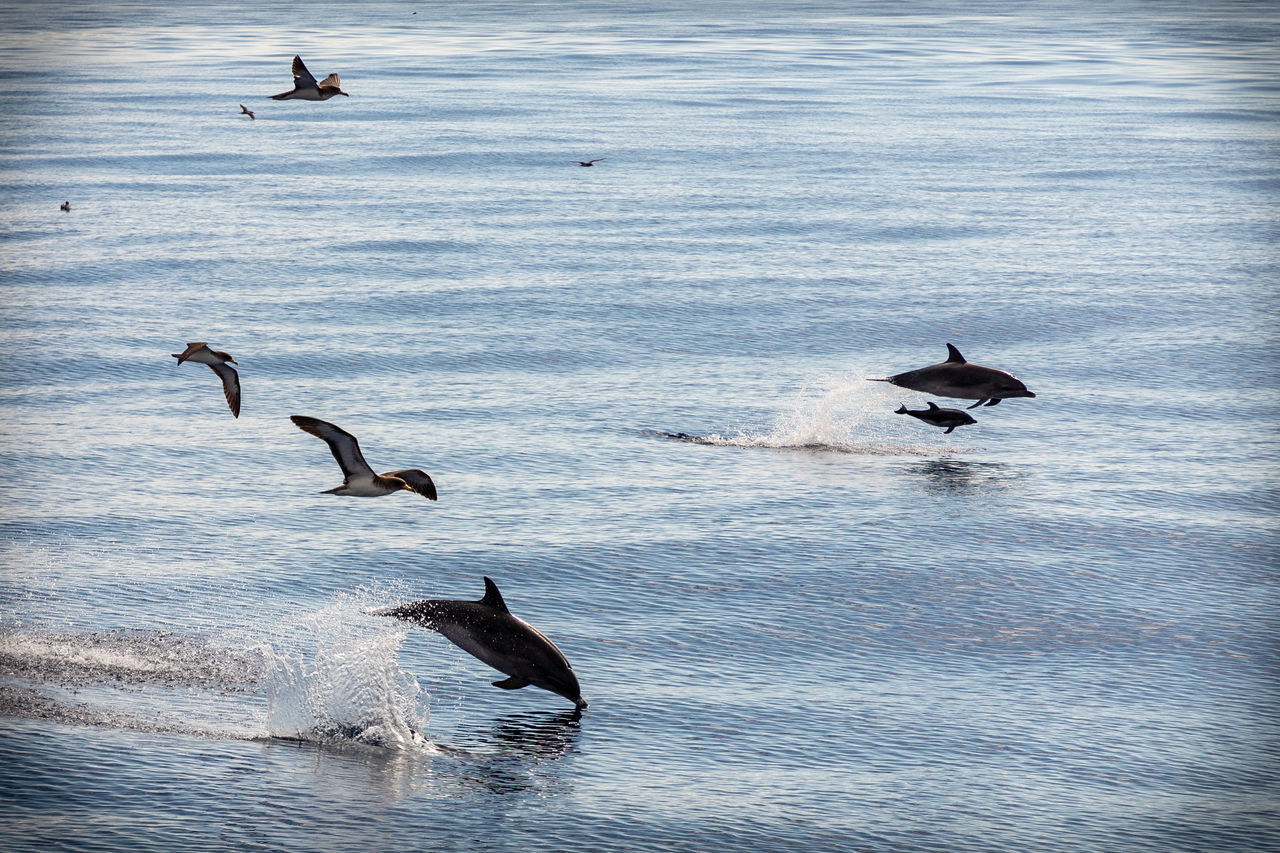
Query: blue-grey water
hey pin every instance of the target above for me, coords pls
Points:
(818, 625)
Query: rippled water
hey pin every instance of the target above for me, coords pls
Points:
(801, 620)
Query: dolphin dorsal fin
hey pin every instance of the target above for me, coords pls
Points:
(953, 355)
(932, 405)
(492, 597)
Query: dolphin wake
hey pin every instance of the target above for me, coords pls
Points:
(832, 414)
(326, 677)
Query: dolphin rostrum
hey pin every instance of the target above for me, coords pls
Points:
(949, 418)
(956, 377)
(487, 630)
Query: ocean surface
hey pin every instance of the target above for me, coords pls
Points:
(803, 622)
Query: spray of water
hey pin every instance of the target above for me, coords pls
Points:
(335, 678)
(842, 413)
(328, 676)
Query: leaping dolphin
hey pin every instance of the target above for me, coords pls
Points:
(487, 630)
(956, 377)
(949, 418)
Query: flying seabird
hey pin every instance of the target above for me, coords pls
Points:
(358, 479)
(65, 207)
(588, 162)
(246, 111)
(305, 87)
(218, 362)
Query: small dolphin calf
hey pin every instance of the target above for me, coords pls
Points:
(487, 630)
(949, 418)
(956, 377)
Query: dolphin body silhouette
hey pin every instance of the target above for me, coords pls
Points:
(487, 630)
(949, 418)
(965, 380)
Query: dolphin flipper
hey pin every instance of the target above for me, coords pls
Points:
(512, 683)
(976, 405)
(994, 401)
(949, 429)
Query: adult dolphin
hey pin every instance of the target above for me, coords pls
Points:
(957, 377)
(488, 630)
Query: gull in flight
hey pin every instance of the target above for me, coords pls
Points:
(219, 362)
(358, 479)
(305, 87)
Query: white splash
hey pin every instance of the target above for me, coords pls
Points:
(843, 413)
(340, 682)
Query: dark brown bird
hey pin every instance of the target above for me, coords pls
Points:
(305, 87)
(358, 479)
(219, 362)
(588, 162)
(246, 111)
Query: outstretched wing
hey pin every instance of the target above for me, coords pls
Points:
(341, 443)
(417, 481)
(331, 82)
(190, 351)
(301, 76)
(230, 385)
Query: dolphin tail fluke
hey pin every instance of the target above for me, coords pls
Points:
(875, 379)
(512, 683)
(901, 410)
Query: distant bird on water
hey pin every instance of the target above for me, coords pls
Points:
(305, 87)
(358, 479)
(65, 207)
(218, 362)
(246, 111)
(588, 162)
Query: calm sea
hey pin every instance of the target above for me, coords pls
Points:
(813, 625)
